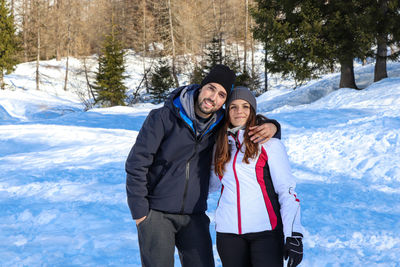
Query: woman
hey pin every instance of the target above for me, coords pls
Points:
(258, 214)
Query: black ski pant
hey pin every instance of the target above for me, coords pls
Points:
(160, 232)
(261, 249)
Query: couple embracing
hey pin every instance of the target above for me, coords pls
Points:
(192, 146)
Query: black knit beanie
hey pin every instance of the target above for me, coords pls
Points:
(244, 93)
(222, 75)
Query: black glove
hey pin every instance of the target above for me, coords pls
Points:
(293, 249)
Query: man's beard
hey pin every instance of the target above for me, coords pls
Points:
(207, 112)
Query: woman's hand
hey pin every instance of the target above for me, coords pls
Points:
(262, 133)
(293, 250)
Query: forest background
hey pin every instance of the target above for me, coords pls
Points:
(62, 178)
(300, 39)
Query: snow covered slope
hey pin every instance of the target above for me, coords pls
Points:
(62, 178)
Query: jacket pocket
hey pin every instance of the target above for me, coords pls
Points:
(146, 219)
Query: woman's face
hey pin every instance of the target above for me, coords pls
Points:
(239, 111)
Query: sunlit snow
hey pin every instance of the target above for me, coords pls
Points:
(62, 177)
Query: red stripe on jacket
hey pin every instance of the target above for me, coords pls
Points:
(237, 189)
(261, 162)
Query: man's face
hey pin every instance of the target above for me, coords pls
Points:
(211, 98)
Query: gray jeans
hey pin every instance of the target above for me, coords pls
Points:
(160, 232)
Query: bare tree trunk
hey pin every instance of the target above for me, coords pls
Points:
(38, 47)
(146, 84)
(144, 79)
(215, 16)
(68, 44)
(252, 53)
(265, 69)
(220, 33)
(12, 7)
(25, 34)
(67, 62)
(245, 36)
(2, 85)
(89, 86)
(58, 34)
(347, 79)
(66, 71)
(173, 45)
(236, 39)
(45, 32)
(380, 71)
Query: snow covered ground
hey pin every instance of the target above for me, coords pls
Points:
(62, 178)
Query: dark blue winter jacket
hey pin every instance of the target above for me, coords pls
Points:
(168, 168)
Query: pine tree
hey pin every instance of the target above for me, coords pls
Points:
(197, 75)
(250, 80)
(213, 54)
(306, 37)
(345, 35)
(384, 23)
(266, 16)
(230, 60)
(280, 26)
(8, 42)
(109, 78)
(161, 81)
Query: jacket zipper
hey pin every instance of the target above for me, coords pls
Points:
(238, 146)
(187, 168)
(187, 174)
(187, 171)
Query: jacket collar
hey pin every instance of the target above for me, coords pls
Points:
(174, 103)
(236, 138)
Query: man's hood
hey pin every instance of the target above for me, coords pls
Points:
(183, 98)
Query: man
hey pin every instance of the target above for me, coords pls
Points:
(168, 172)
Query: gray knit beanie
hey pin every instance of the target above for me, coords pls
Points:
(241, 92)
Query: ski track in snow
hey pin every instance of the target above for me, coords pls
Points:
(62, 177)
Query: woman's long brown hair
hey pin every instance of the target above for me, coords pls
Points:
(222, 149)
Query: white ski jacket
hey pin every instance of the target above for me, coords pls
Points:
(258, 196)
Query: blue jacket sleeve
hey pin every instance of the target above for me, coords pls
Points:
(139, 160)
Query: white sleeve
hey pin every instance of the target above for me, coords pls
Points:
(215, 182)
(284, 185)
